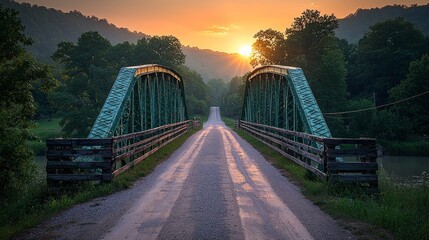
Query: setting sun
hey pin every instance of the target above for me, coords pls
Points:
(245, 50)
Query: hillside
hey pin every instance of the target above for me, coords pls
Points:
(47, 27)
(211, 64)
(353, 27)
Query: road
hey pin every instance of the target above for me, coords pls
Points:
(216, 186)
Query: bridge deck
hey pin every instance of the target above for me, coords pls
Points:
(215, 186)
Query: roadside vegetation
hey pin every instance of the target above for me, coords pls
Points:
(37, 205)
(44, 129)
(399, 211)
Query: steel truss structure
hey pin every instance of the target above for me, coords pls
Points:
(142, 97)
(280, 96)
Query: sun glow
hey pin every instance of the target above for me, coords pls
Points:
(245, 51)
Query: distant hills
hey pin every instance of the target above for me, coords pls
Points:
(47, 27)
(353, 27)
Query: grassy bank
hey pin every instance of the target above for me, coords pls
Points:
(402, 210)
(46, 128)
(405, 148)
(30, 210)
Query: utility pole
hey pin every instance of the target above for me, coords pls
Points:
(373, 96)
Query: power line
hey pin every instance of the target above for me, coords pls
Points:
(373, 108)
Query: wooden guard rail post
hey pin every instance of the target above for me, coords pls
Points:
(73, 161)
(355, 164)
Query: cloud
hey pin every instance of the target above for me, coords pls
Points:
(217, 30)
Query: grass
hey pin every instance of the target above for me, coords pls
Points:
(406, 148)
(399, 211)
(201, 118)
(32, 209)
(45, 128)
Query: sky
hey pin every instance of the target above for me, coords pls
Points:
(220, 25)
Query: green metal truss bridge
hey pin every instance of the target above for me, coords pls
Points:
(146, 110)
(280, 96)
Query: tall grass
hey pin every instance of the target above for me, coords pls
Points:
(45, 128)
(401, 209)
(35, 206)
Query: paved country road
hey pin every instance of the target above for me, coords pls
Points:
(216, 186)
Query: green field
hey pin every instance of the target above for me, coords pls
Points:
(46, 128)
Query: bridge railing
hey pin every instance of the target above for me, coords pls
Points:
(334, 159)
(72, 161)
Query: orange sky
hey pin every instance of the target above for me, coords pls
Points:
(221, 25)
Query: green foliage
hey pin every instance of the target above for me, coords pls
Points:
(383, 57)
(405, 148)
(17, 73)
(391, 126)
(218, 90)
(269, 48)
(90, 69)
(354, 26)
(233, 101)
(309, 37)
(46, 128)
(417, 82)
(198, 97)
(309, 43)
(361, 124)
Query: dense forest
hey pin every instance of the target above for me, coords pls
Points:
(47, 27)
(377, 87)
(353, 27)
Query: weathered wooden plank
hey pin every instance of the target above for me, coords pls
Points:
(144, 156)
(79, 177)
(353, 178)
(146, 140)
(80, 153)
(293, 133)
(145, 132)
(339, 141)
(290, 157)
(298, 145)
(353, 152)
(77, 165)
(352, 167)
(153, 142)
(296, 149)
(82, 142)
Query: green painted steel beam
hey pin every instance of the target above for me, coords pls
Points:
(141, 98)
(280, 96)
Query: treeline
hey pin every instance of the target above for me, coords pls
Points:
(354, 26)
(91, 66)
(352, 82)
(48, 26)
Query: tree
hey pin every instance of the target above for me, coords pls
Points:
(233, 101)
(383, 57)
(17, 73)
(309, 37)
(269, 48)
(88, 78)
(198, 97)
(218, 91)
(164, 50)
(416, 82)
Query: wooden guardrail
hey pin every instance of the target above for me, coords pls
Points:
(348, 161)
(72, 161)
